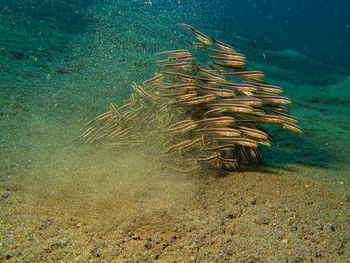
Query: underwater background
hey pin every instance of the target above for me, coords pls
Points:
(63, 62)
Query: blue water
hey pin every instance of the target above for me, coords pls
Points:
(320, 28)
(317, 28)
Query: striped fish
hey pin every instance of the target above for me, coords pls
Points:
(200, 36)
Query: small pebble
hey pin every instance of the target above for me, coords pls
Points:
(148, 245)
(253, 201)
(230, 215)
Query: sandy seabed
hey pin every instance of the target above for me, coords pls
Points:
(269, 215)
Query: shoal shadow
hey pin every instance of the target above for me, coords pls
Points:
(291, 148)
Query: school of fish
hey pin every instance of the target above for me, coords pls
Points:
(209, 114)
